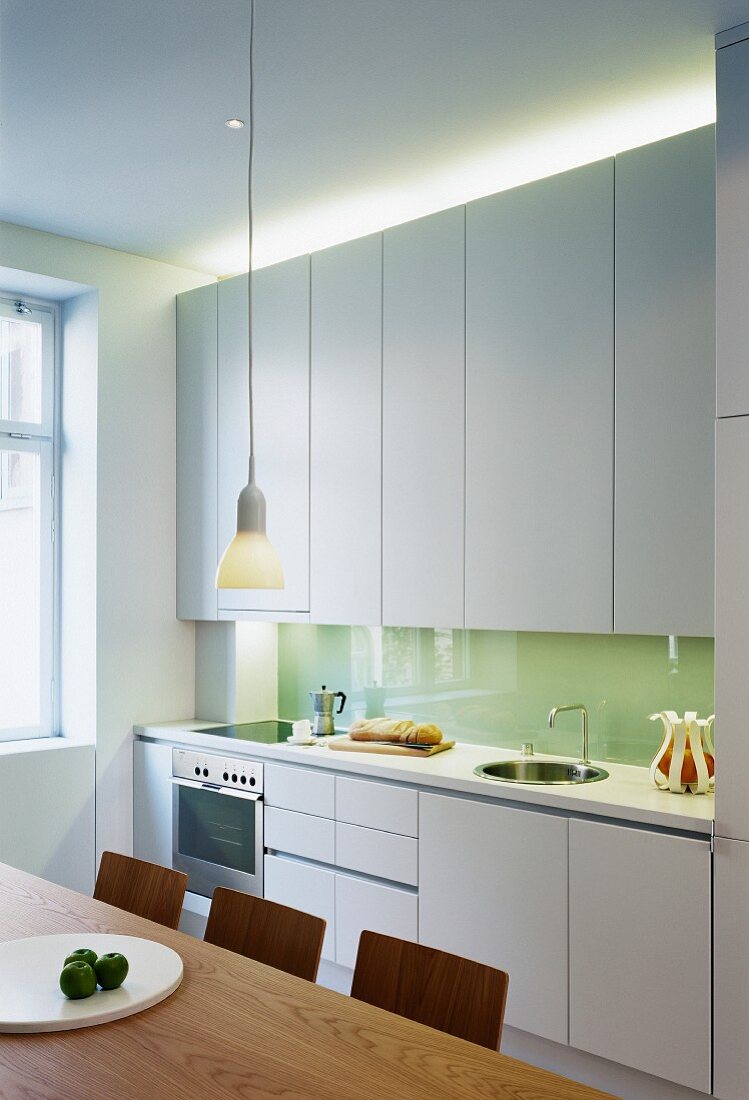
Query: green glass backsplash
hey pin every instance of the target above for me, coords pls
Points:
(496, 687)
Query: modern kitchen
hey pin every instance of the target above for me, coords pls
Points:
(374, 628)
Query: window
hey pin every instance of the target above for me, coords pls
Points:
(27, 389)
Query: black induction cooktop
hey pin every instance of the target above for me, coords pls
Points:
(267, 733)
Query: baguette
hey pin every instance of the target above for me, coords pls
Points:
(402, 732)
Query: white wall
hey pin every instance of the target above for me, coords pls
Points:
(144, 657)
(47, 810)
(77, 516)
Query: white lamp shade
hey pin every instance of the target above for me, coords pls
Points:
(249, 561)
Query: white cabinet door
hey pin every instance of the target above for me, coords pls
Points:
(302, 886)
(388, 806)
(540, 405)
(304, 790)
(377, 853)
(299, 834)
(346, 434)
(732, 626)
(640, 964)
(364, 905)
(731, 1019)
(152, 802)
(197, 515)
(732, 148)
(281, 388)
(665, 386)
(423, 422)
(493, 887)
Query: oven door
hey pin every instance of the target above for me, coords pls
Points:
(217, 837)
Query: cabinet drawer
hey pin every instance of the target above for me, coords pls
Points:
(368, 905)
(301, 789)
(374, 852)
(377, 806)
(300, 834)
(310, 889)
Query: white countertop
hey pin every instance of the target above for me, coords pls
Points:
(626, 795)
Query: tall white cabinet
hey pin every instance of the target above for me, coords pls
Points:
(281, 325)
(423, 422)
(346, 433)
(732, 627)
(665, 385)
(731, 904)
(539, 405)
(732, 152)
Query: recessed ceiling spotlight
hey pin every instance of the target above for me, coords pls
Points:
(234, 123)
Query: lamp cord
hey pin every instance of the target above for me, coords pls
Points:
(249, 234)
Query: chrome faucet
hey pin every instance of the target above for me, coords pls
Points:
(585, 759)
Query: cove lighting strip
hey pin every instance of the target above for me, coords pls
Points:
(572, 145)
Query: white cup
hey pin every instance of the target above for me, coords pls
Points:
(302, 730)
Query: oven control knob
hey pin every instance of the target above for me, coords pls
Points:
(252, 780)
(205, 772)
(243, 779)
(226, 777)
(197, 771)
(234, 778)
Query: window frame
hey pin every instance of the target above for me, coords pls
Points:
(40, 438)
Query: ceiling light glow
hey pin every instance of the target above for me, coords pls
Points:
(234, 123)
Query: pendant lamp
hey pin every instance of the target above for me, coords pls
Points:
(250, 561)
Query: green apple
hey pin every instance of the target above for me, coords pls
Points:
(77, 980)
(111, 970)
(82, 954)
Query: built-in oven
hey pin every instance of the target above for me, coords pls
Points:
(217, 821)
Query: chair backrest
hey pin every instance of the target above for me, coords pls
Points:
(145, 889)
(444, 991)
(277, 935)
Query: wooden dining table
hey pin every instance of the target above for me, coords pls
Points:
(236, 1028)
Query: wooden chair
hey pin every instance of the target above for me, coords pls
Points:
(145, 889)
(444, 991)
(274, 934)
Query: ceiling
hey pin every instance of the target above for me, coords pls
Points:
(368, 112)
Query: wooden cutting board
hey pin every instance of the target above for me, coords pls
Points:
(345, 744)
(30, 996)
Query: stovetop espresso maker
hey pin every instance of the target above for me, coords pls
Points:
(323, 703)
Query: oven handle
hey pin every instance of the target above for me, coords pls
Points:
(248, 796)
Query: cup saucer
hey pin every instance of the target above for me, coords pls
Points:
(301, 741)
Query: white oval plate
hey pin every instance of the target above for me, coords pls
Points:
(30, 995)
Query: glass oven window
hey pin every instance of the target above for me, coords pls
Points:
(217, 828)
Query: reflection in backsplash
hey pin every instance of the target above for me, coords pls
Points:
(497, 687)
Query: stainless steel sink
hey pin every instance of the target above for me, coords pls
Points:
(540, 771)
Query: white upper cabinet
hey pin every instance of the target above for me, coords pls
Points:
(346, 434)
(732, 147)
(197, 455)
(423, 422)
(539, 405)
(665, 385)
(281, 387)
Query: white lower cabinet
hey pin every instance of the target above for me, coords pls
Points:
(363, 905)
(640, 950)
(302, 886)
(152, 802)
(374, 852)
(493, 887)
(731, 1024)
